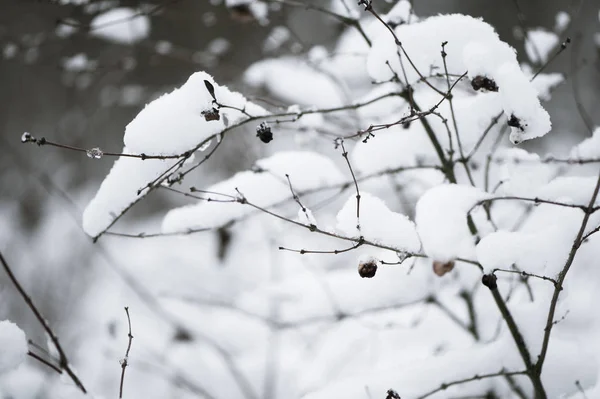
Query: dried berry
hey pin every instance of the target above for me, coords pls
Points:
(513, 121)
(482, 82)
(264, 133)
(367, 268)
(211, 115)
(391, 394)
(242, 13)
(441, 268)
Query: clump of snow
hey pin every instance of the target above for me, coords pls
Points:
(562, 20)
(378, 223)
(119, 190)
(170, 125)
(78, 62)
(442, 220)
(475, 48)
(346, 8)
(13, 346)
(539, 44)
(121, 25)
(294, 81)
(277, 37)
(527, 118)
(400, 13)
(173, 123)
(543, 83)
(265, 187)
(588, 148)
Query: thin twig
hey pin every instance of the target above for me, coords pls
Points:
(125, 360)
(44, 361)
(64, 362)
(563, 274)
(476, 377)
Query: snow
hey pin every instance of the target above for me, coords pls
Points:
(475, 48)
(78, 62)
(378, 223)
(562, 21)
(588, 148)
(544, 83)
(121, 25)
(520, 100)
(13, 346)
(442, 220)
(294, 81)
(170, 125)
(173, 123)
(539, 44)
(400, 13)
(119, 190)
(265, 188)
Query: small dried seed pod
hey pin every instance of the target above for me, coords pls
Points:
(515, 122)
(481, 82)
(367, 267)
(211, 115)
(441, 268)
(264, 133)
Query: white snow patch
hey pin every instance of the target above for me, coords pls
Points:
(13, 346)
(378, 223)
(442, 220)
(121, 25)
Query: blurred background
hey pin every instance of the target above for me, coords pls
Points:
(62, 78)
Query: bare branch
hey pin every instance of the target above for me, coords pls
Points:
(125, 360)
(64, 362)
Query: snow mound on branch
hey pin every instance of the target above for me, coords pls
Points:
(539, 44)
(174, 123)
(294, 81)
(265, 187)
(473, 46)
(121, 25)
(13, 346)
(541, 247)
(442, 220)
(588, 148)
(378, 223)
(170, 125)
(119, 190)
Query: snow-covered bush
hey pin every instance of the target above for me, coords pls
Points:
(397, 242)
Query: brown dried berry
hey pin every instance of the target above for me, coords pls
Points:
(441, 268)
(367, 269)
(513, 121)
(242, 13)
(211, 115)
(481, 82)
(264, 133)
(391, 394)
